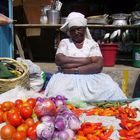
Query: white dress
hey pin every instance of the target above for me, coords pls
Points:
(82, 87)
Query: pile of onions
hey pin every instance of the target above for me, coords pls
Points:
(60, 126)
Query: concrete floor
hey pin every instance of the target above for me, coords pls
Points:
(116, 72)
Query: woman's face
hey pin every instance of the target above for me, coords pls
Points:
(77, 33)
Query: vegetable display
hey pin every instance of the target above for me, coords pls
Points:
(55, 118)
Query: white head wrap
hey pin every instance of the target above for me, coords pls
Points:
(76, 19)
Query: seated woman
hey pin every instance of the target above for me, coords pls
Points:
(80, 64)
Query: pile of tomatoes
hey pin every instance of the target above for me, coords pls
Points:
(18, 119)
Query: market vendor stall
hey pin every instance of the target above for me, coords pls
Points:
(56, 118)
(29, 114)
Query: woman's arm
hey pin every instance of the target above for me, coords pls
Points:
(91, 68)
(67, 62)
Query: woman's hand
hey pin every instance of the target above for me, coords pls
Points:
(67, 62)
(88, 65)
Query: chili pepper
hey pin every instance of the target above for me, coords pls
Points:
(80, 132)
(81, 138)
(128, 138)
(109, 132)
(92, 137)
(88, 130)
(126, 125)
(123, 132)
(86, 125)
(137, 136)
(78, 111)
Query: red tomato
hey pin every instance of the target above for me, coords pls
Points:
(14, 119)
(26, 104)
(18, 103)
(31, 132)
(7, 131)
(19, 135)
(7, 105)
(4, 116)
(26, 112)
(0, 106)
(1, 115)
(29, 122)
(22, 127)
(32, 102)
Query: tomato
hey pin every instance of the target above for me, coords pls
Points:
(7, 105)
(7, 131)
(19, 135)
(4, 116)
(29, 122)
(26, 104)
(0, 106)
(14, 119)
(32, 102)
(31, 132)
(1, 115)
(18, 103)
(26, 112)
(22, 127)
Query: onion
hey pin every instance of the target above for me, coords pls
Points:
(60, 124)
(47, 118)
(39, 99)
(39, 129)
(59, 97)
(45, 130)
(71, 133)
(55, 135)
(53, 99)
(58, 103)
(74, 122)
(63, 135)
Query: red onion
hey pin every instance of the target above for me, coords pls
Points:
(47, 118)
(55, 135)
(60, 124)
(63, 135)
(74, 123)
(45, 130)
(39, 99)
(70, 133)
(58, 103)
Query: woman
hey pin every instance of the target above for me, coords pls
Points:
(80, 63)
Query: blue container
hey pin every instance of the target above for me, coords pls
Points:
(6, 31)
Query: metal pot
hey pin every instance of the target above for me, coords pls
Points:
(120, 19)
(135, 18)
(53, 16)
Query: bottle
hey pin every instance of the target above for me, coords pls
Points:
(43, 19)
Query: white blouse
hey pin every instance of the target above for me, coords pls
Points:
(68, 48)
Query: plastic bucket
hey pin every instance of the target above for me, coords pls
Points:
(136, 55)
(109, 52)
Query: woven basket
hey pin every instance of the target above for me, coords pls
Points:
(23, 80)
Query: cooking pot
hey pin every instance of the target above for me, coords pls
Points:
(135, 18)
(53, 16)
(120, 19)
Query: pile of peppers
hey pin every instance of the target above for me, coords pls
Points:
(130, 128)
(94, 131)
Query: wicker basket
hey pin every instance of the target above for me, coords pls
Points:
(23, 80)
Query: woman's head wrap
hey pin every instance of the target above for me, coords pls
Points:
(76, 19)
